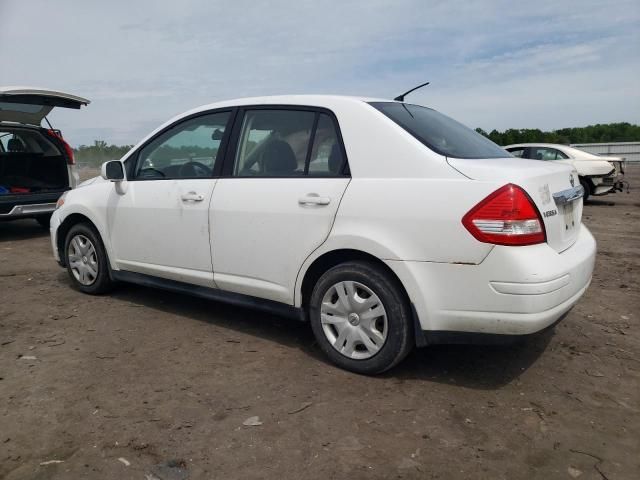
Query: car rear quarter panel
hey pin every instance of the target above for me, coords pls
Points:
(404, 202)
(404, 219)
(411, 219)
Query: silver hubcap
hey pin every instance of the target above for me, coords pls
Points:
(83, 260)
(354, 320)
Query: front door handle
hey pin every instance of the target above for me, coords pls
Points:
(314, 199)
(192, 197)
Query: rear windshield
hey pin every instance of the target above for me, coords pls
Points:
(20, 107)
(439, 132)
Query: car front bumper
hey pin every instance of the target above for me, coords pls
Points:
(514, 291)
(53, 230)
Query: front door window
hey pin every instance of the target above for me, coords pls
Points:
(188, 150)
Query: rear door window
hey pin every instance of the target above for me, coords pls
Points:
(288, 143)
(440, 133)
(273, 143)
(326, 157)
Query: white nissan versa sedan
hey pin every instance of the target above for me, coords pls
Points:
(384, 224)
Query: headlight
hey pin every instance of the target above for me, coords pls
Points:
(60, 201)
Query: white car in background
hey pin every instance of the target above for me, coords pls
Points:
(599, 175)
(384, 224)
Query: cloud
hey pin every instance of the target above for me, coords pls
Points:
(494, 64)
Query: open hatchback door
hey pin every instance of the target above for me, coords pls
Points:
(36, 163)
(30, 105)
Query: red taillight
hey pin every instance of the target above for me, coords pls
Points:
(67, 148)
(506, 217)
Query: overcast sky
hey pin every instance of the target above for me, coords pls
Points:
(492, 64)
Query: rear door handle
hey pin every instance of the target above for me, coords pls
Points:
(314, 199)
(192, 197)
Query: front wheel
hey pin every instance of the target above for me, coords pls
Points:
(361, 318)
(86, 260)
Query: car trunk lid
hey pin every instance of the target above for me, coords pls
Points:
(29, 106)
(555, 190)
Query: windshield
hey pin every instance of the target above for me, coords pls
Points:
(439, 132)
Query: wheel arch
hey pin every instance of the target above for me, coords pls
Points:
(335, 257)
(65, 226)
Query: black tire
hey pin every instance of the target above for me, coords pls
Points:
(102, 283)
(587, 189)
(400, 336)
(44, 220)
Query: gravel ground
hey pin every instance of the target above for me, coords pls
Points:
(142, 384)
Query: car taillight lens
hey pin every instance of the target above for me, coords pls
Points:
(506, 217)
(67, 148)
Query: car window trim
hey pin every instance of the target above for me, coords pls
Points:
(312, 138)
(515, 149)
(134, 158)
(560, 155)
(229, 160)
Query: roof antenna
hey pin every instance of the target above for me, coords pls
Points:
(400, 98)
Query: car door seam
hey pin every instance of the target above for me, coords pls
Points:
(209, 212)
(333, 221)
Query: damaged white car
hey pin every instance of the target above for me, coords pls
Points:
(599, 175)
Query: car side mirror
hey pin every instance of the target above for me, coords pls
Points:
(217, 134)
(113, 171)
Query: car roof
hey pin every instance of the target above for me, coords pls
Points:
(336, 103)
(550, 145)
(322, 101)
(306, 100)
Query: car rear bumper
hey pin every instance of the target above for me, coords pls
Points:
(514, 291)
(28, 204)
(29, 210)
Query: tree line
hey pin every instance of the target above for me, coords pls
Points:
(600, 133)
(98, 153)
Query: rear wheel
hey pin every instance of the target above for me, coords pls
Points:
(361, 318)
(587, 189)
(86, 260)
